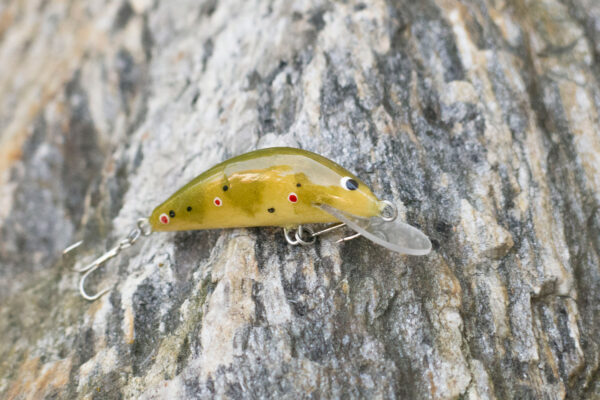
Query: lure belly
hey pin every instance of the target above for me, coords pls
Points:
(278, 186)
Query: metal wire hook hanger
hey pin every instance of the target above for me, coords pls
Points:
(306, 236)
(303, 235)
(143, 228)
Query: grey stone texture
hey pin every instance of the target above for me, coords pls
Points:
(480, 118)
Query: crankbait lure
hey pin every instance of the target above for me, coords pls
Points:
(278, 186)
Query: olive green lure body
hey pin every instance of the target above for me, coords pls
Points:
(278, 186)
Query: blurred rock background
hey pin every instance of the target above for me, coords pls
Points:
(478, 117)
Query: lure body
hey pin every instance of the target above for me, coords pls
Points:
(280, 186)
(277, 186)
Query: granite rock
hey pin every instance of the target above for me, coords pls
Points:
(479, 118)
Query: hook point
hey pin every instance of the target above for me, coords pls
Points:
(71, 248)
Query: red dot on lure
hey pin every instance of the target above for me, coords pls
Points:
(293, 197)
(164, 219)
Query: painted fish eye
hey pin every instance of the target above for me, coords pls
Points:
(348, 183)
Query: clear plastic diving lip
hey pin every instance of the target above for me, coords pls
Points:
(394, 235)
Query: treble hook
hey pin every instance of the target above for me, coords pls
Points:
(142, 228)
(305, 235)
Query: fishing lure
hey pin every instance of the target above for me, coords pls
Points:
(278, 186)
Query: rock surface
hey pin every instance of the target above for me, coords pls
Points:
(479, 117)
